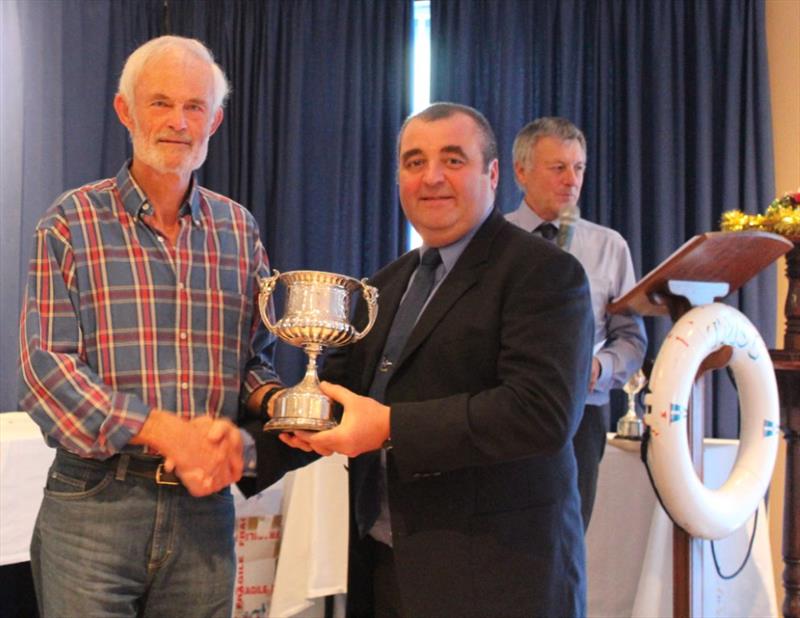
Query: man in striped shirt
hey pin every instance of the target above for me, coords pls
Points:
(140, 343)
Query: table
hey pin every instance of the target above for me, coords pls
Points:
(629, 545)
(24, 461)
(313, 557)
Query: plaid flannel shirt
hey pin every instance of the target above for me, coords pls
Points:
(117, 322)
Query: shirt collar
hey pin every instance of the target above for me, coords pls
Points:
(452, 252)
(527, 219)
(136, 203)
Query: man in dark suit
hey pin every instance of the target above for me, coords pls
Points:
(459, 421)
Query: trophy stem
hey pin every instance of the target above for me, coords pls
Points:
(310, 379)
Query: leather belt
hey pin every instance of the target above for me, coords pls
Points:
(151, 468)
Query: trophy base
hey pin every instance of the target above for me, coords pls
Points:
(630, 428)
(299, 424)
(302, 407)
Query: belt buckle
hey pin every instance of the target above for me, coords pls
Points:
(162, 481)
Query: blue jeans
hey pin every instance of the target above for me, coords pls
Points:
(110, 544)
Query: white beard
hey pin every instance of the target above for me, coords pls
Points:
(150, 154)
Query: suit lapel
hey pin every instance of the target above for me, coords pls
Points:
(464, 275)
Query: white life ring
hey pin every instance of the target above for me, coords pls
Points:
(703, 512)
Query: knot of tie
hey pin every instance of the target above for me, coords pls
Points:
(431, 258)
(548, 231)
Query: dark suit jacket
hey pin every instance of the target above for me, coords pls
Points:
(485, 399)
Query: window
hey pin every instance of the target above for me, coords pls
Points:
(421, 70)
(420, 77)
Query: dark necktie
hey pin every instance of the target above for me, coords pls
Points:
(404, 321)
(548, 231)
(369, 485)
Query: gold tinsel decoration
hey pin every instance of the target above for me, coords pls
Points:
(781, 217)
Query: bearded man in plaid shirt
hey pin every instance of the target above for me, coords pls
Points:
(140, 343)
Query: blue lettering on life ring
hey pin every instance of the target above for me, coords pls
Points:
(677, 413)
(770, 428)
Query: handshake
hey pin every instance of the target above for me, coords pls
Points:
(204, 452)
(207, 453)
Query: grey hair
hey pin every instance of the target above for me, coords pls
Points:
(442, 110)
(157, 47)
(547, 126)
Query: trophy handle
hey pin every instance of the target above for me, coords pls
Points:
(267, 287)
(370, 294)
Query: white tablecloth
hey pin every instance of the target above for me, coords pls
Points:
(313, 557)
(629, 546)
(24, 461)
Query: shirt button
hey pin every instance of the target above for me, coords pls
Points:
(180, 285)
(183, 336)
(185, 386)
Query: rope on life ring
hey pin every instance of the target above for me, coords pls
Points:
(703, 512)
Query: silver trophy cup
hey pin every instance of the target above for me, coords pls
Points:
(316, 317)
(630, 425)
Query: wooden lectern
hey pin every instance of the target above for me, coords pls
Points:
(705, 269)
(787, 370)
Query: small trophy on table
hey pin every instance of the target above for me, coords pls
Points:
(630, 426)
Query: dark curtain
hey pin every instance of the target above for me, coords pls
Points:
(673, 97)
(319, 91)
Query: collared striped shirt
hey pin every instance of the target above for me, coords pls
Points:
(116, 321)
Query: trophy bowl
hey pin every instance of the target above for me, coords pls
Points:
(316, 316)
